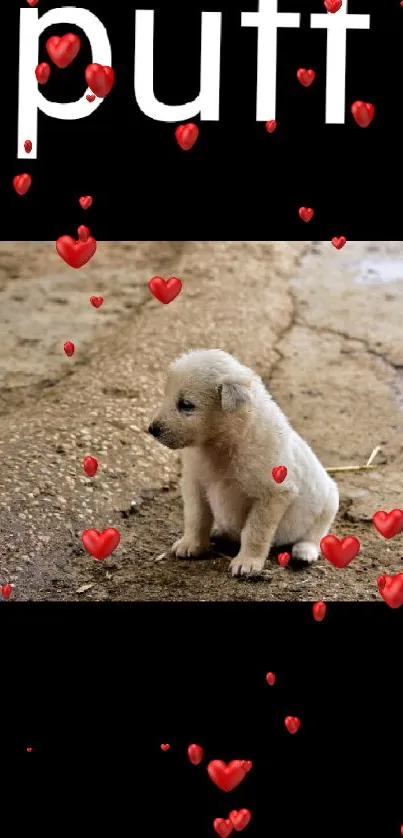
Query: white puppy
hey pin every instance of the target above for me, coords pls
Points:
(234, 434)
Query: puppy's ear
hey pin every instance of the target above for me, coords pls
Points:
(234, 394)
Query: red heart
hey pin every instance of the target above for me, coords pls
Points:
(6, 591)
(69, 348)
(279, 473)
(223, 827)
(90, 466)
(165, 747)
(227, 777)
(389, 524)
(42, 72)
(306, 213)
(363, 113)
(333, 5)
(340, 553)
(83, 233)
(90, 97)
(391, 589)
(101, 544)
(319, 611)
(283, 559)
(100, 79)
(22, 183)
(186, 135)
(28, 146)
(29, 750)
(240, 819)
(165, 290)
(63, 50)
(271, 678)
(96, 301)
(306, 77)
(338, 243)
(195, 754)
(32, 3)
(76, 253)
(292, 724)
(271, 125)
(85, 202)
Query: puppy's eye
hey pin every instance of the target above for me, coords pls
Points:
(184, 406)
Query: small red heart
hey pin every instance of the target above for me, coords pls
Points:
(22, 183)
(340, 553)
(391, 589)
(292, 724)
(165, 747)
(32, 3)
(42, 72)
(319, 611)
(100, 79)
(29, 750)
(306, 213)
(363, 113)
(85, 202)
(240, 819)
(63, 50)
(338, 243)
(283, 559)
(223, 827)
(6, 591)
(333, 5)
(165, 290)
(83, 233)
(101, 544)
(389, 524)
(306, 77)
(195, 754)
(90, 466)
(271, 126)
(96, 301)
(271, 678)
(226, 777)
(279, 473)
(90, 97)
(76, 253)
(69, 348)
(28, 146)
(186, 135)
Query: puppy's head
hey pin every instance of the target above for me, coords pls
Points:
(207, 391)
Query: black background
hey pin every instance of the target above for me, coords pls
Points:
(238, 182)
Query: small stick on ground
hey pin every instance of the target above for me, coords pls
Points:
(368, 466)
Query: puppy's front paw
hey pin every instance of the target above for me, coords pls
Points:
(244, 566)
(305, 551)
(187, 548)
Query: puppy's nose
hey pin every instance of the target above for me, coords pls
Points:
(155, 429)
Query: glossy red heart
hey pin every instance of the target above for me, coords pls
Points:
(306, 213)
(76, 253)
(83, 233)
(22, 183)
(306, 77)
(90, 97)
(333, 6)
(283, 559)
(85, 202)
(63, 50)
(165, 290)
(391, 589)
(319, 611)
(339, 242)
(69, 348)
(96, 301)
(32, 3)
(28, 146)
(6, 591)
(363, 113)
(240, 819)
(279, 473)
(42, 72)
(292, 724)
(223, 827)
(195, 754)
(340, 553)
(226, 777)
(90, 466)
(186, 135)
(271, 678)
(101, 544)
(100, 79)
(165, 747)
(271, 126)
(389, 524)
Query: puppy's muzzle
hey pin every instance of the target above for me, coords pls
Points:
(155, 430)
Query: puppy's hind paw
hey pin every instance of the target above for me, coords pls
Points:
(187, 548)
(243, 566)
(305, 551)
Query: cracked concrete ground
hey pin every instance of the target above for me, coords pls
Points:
(322, 327)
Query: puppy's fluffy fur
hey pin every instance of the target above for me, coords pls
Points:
(233, 435)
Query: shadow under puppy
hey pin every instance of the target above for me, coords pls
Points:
(233, 435)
